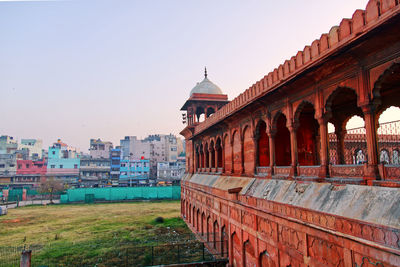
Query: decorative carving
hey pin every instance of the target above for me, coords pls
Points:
(325, 252)
(265, 227)
(289, 237)
(346, 170)
(310, 171)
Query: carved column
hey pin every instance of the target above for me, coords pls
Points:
(324, 151)
(293, 148)
(223, 154)
(271, 142)
(256, 156)
(216, 157)
(340, 135)
(371, 171)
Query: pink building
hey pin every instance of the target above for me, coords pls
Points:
(30, 172)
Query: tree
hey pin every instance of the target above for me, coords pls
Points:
(51, 186)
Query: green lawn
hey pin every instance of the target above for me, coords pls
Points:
(94, 234)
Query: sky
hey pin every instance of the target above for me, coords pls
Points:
(84, 69)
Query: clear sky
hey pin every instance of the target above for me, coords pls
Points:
(81, 69)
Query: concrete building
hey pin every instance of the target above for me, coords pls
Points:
(63, 163)
(8, 144)
(33, 146)
(134, 172)
(30, 172)
(115, 156)
(170, 171)
(261, 175)
(131, 147)
(100, 149)
(8, 168)
(94, 171)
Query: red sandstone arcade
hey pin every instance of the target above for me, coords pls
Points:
(268, 184)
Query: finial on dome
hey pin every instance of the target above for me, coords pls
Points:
(205, 72)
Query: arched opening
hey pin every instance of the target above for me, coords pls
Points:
(203, 224)
(219, 153)
(194, 217)
(265, 260)
(190, 214)
(212, 152)
(209, 229)
(224, 242)
(215, 234)
(198, 221)
(237, 153)
(387, 94)
(248, 151)
(236, 250)
(201, 156)
(262, 145)
(282, 139)
(346, 129)
(197, 159)
(200, 114)
(249, 258)
(227, 154)
(308, 139)
(210, 111)
(206, 156)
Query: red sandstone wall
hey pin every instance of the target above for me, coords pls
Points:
(264, 233)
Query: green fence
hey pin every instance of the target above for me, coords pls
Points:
(90, 195)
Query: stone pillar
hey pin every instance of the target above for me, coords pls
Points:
(271, 142)
(340, 134)
(371, 171)
(223, 155)
(216, 157)
(256, 156)
(324, 151)
(293, 148)
(26, 258)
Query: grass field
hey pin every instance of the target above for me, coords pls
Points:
(91, 231)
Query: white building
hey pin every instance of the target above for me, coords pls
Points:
(33, 146)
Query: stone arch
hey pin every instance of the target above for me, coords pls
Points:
(341, 106)
(249, 257)
(206, 155)
(227, 153)
(201, 156)
(210, 111)
(212, 153)
(307, 134)
(248, 150)
(282, 137)
(209, 230)
(218, 147)
(236, 152)
(236, 250)
(224, 241)
(203, 223)
(265, 260)
(198, 220)
(215, 234)
(262, 155)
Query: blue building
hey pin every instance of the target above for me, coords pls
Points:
(63, 163)
(115, 156)
(134, 172)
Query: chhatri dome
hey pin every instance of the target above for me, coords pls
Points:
(206, 87)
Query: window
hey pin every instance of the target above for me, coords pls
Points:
(61, 166)
(19, 166)
(2, 165)
(75, 166)
(52, 166)
(53, 152)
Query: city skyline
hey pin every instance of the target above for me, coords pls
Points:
(77, 70)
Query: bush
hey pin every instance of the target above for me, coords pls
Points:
(159, 220)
